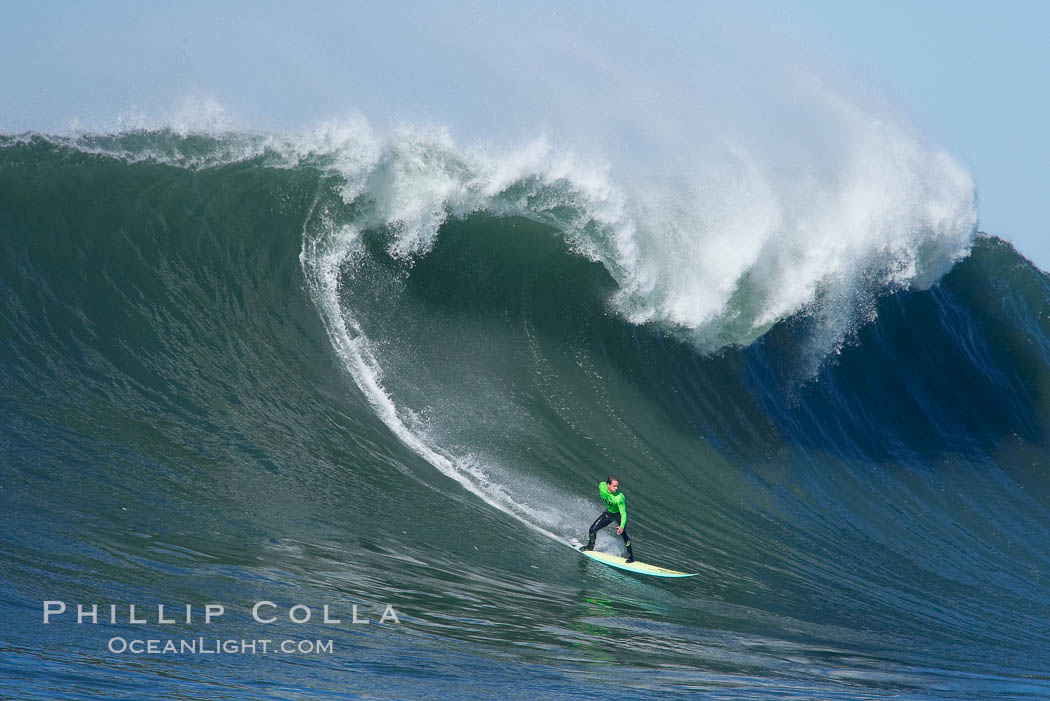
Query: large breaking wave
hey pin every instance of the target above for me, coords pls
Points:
(821, 390)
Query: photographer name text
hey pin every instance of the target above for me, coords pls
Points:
(264, 612)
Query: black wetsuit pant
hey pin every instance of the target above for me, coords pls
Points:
(601, 522)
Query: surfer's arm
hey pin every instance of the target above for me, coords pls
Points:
(603, 489)
(623, 511)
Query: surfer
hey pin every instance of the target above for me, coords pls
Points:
(615, 507)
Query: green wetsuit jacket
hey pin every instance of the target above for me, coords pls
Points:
(614, 502)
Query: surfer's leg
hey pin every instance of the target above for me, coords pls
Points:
(627, 544)
(603, 520)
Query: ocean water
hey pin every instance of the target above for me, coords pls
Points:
(351, 369)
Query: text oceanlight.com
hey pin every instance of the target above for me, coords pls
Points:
(216, 646)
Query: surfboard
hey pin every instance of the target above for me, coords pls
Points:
(636, 566)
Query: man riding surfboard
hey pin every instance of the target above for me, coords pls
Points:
(615, 508)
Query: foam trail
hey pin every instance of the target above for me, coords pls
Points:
(321, 260)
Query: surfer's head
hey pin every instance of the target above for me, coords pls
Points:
(612, 483)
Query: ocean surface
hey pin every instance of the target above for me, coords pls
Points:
(391, 371)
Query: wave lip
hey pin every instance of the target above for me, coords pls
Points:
(728, 241)
(717, 256)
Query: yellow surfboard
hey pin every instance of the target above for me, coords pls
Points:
(636, 566)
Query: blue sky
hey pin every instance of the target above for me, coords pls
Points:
(975, 76)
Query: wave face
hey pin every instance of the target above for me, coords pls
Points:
(357, 369)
